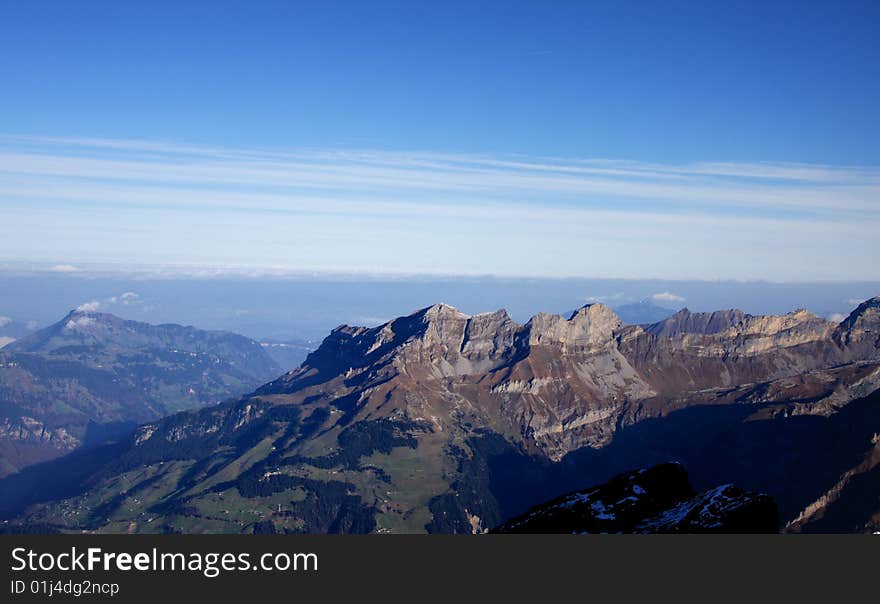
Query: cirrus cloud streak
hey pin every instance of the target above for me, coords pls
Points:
(131, 201)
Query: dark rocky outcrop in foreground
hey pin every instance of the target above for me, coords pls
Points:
(657, 500)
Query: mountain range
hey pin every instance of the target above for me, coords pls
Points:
(93, 376)
(441, 421)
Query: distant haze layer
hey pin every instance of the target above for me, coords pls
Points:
(306, 308)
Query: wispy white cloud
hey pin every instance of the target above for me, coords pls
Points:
(152, 150)
(92, 306)
(63, 268)
(606, 298)
(80, 323)
(159, 202)
(280, 183)
(120, 169)
(4, 321)
(124, 299)
(668, 297)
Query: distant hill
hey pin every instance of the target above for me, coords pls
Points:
(289, 354)
(92, 376)
(10, 328)
(642, 313)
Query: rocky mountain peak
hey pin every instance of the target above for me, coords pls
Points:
(590, 325)
(86, 320)
(442, 311)
(79, 326)
(685, 321)
(769, 325)
(866, 312)
(594, 310)
(862, 326)
(483, 335)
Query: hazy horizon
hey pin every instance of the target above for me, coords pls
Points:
(297, 307)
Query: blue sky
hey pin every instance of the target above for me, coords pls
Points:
(674, 140)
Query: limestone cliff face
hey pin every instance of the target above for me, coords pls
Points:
(28, 429)
(685, 321)
(589, 327)
(753, 349)
(558, 384)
